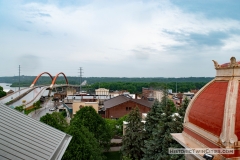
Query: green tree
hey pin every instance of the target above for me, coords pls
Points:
(36, 105)
(2, 93)
(161, 121)
(183, 108)
(111, 124)
(153, 117)
(152, 148)
(133, 140)
(170, 123)
(19, 108)
(90, 119)
(83, 146)
(119, 125)
(55, 120)
(116, 126)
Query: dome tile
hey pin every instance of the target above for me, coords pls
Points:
(207, 108)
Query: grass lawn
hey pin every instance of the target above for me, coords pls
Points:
(112, 155)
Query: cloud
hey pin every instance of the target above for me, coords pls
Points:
(115, 33)
(44, 15)
(29, 63)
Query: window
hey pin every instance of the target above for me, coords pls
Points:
(128, 108)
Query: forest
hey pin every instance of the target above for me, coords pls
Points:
(133, 85)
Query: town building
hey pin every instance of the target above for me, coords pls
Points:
(75, 102)
(102, 91)
(8, 91)
(152, 94)
(212, 119)
(121, 105)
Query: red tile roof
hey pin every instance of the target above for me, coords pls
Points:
(227, 64)
(208, 108)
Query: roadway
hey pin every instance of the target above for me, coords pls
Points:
(43, 111)
(31, 97)
(13, 95)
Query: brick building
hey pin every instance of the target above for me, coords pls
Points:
(123, 104)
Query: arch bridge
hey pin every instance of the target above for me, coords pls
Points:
(53, 79)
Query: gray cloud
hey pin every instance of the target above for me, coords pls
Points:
(198, 41)
(211, 39)
(143, 53)
(44, 15)
(29, 62)
(29, 22)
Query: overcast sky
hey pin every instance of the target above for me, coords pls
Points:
(122, 38)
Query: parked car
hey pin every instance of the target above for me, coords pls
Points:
(52, 109)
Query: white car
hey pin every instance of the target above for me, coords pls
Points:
(52, 109)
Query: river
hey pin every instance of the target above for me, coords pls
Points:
(7, 86)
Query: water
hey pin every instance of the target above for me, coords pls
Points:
(7, 86)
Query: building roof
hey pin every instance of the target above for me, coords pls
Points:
(124, 98)
(209, 107)
(213, 115)
(22, 137)
(228, 64)
(143, 102)
(115, 101)
(8, 90)
(101, 89)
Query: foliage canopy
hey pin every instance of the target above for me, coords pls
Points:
(133, 140)
(162, 120)
(55, 120)
(90, 119)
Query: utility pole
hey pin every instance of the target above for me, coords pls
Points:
(80, 79)
(176, 87)
(19, 80)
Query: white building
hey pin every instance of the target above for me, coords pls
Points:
(102, 91)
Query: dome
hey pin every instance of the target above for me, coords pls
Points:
(212, 119)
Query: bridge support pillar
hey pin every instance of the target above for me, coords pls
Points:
(49, 93)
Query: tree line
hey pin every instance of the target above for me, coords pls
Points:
(136, 87)
(27, 80)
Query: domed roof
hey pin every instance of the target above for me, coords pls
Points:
(213, 116)
(207, 110)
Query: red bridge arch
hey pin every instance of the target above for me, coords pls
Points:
(55, 78)
(36, 79)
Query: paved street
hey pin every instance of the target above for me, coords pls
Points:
(44, 110)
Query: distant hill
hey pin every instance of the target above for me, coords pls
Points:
(27, 80)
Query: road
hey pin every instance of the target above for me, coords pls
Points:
(44, 110)
(14, 95)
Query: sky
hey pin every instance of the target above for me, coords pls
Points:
(118, 38)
